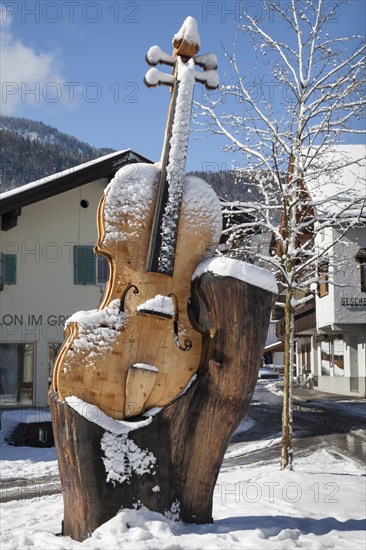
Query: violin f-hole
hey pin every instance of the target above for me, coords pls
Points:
(187, 343)
(123, 297)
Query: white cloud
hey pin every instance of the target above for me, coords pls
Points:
(27, 76)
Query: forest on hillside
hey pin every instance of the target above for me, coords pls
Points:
(31, 150)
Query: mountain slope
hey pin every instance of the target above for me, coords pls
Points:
(30, 150)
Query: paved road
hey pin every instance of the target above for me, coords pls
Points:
(320, 421)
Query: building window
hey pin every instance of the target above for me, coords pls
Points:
(332, 357)
(323, 271)
(8, 272)
(16, 374)
(84, 265)
(89, 269)
(338, 356)
(326, 362)
(361, 258)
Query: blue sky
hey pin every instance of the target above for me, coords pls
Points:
(79, 65)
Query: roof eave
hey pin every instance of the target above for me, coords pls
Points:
(106, 167)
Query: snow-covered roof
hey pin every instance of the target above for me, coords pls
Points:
(58, 175)
(342, 184)
(276, 346)
(104, 167)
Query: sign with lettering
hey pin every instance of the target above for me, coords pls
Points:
(32, 320)
(359, 302)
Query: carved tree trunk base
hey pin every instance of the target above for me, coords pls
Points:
(189, 437)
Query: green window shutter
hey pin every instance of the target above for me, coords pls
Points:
(84, 265)
(9, 269)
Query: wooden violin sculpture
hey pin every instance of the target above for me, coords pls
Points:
(139, 350)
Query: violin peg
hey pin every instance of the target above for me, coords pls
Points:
(154, 77)
(209, 78)
(186, 41)
(207, 61)
(156, 55)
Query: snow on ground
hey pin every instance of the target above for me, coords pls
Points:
(27, 462)
(319, 505)
(275, 387)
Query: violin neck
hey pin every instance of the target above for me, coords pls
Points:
(161, 253)
(186, 43)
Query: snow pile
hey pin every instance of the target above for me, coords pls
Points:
(159, 304)
(123, 458)
(145, 366)
(153, 77)
(94, 414)
(207, 60)
(156, 55)
(201, 209)
(97, 329)
(176, 163)
(188, 32)
(174, 512)
(209, 78)
(19, 463)
(228, 267)
(236, 451)
(127, 198)
(318, 505)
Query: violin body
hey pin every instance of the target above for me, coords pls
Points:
(131, 354)
(140, 350)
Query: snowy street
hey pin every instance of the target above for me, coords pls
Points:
(320, 421)
(318, 505)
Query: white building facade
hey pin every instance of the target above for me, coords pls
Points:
(332, 342)
(331, 328)
(48, 271)
(339, 354)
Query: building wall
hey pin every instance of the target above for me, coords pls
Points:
(325, 305)
(352, 383)
(348, 280)
(341, 317)
(35, 308)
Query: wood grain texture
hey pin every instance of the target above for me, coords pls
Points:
(188, 437)
(97, 373)
(139, 385)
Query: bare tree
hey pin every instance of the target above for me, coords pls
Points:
(289, 145)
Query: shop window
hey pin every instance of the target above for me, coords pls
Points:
(361, 258)
(332, 357)
(8, 271)
(89, 269)
(53, 350)
(323, 271)
(16, 374)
